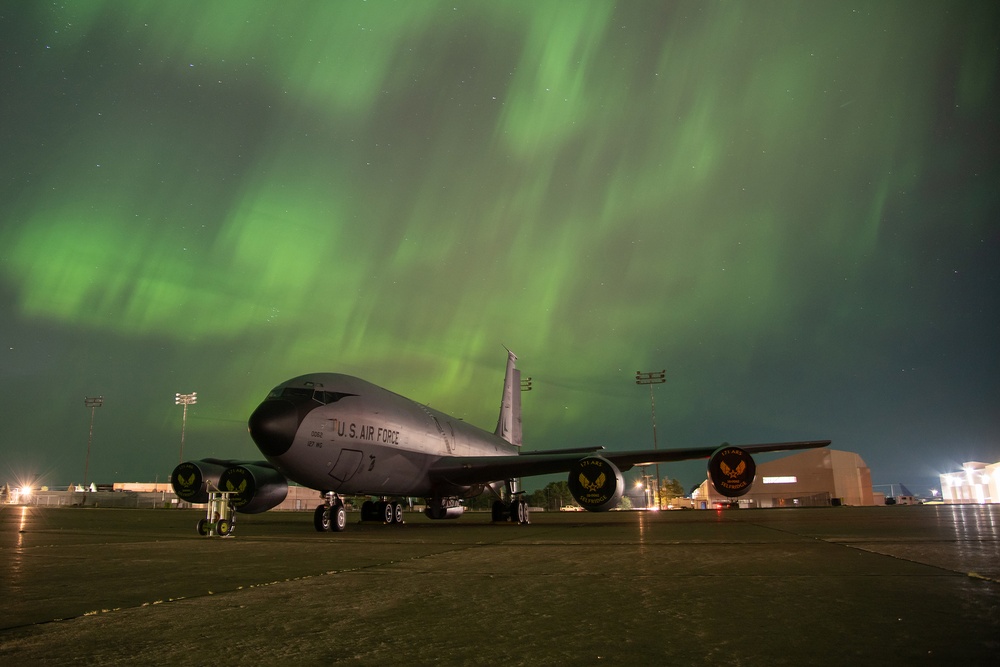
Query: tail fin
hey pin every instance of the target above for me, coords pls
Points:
(509, 423)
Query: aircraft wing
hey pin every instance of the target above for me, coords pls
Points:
(464, 470)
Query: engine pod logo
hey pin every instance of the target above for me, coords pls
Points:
(595, 483)
(732, 471)
(187, 481)
(240, 482)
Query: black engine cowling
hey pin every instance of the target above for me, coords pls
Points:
(255, 488)
(192, 480)
(596, 483)
(732, 471)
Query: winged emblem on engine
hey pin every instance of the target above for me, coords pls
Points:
(595, 485)
(237, 489)
(185, 482)
(732, 473)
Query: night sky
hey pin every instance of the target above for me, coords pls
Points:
(791, 207)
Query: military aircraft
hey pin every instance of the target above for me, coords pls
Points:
(341, 435)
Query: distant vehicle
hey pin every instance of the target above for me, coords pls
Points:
(570, 508)
(341, 435)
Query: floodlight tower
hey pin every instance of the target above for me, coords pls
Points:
(657, 377)
(185, 400)
(93, 404)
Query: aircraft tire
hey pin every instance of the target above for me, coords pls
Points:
(204, 527)
(385, 509)
(338, 518)
(223, 527)
(397, 513)
(321, 519)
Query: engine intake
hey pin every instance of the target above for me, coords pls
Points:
(255, 488)
(596, 483)
(732, 471)
(192, 480)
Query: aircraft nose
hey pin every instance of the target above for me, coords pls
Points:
(273, 425)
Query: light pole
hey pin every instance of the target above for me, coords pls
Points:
(93, 404)
(185, 400)
(658, 377)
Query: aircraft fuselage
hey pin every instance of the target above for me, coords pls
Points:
(339, 433)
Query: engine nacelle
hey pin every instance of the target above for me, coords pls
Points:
(192, 480)
(732, 471)
(596, 483)
(255, 488)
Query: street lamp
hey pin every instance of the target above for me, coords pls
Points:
(93, 404)
(658, 377)
(185, 400)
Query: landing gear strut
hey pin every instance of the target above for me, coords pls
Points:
(331, 515)
(514, 511)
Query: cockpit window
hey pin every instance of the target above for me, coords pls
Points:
(318, 395)
(328, 397)
(293, 392)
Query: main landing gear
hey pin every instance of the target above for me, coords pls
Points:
(515, 508)
(515, 512)
(331, 515)
(383, 510)
(220, 516)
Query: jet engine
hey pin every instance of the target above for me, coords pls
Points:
(596, 483)
(731, 470)
(256, 488)
(192, 480)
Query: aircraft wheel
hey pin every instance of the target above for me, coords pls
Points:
(321, 518)
(223, 527)
(204, 527)
(388, 512)
(338, 519)
(397, 513)
(500, 511)
(368, 511)
(522, 512)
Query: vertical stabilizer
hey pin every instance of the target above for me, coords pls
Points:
(509, 423)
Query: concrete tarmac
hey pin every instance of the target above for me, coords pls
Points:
(825, 586)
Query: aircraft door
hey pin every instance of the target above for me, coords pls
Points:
(347, 465)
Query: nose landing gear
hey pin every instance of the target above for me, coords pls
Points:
(331, 515)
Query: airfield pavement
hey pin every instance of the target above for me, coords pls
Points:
(825, 586)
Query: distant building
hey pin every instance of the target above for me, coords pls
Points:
(976, 483)
(142, 487)
(812, 478)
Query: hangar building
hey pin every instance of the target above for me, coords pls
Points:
(814, 477)
(977, 483)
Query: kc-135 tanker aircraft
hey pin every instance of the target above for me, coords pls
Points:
(341, 435)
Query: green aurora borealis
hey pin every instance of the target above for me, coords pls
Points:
(792, 207)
